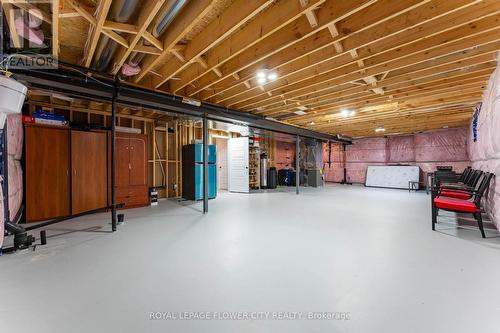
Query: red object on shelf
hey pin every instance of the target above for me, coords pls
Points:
(28, 119)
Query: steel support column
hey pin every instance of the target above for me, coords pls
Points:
(113, 158)
(297, 164)
(205, 164)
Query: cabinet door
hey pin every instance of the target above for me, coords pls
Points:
(138, 161)
(47, 173)
(89, 171)
(122, 161)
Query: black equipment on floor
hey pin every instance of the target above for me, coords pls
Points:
(272, 178)
(286, 177)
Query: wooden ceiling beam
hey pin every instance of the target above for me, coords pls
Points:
(396, 117)
(429, 68)
(31, 8)
(474, 66)
(285, 35)
(378, 52)
(315, 50)
(234, 17)
(147, 49)
(93, 38)
(15, 39)
(188, 18)
(419, 23)
(328, 106)
(438, 46)
(55, 28)
(153, 40)
(146, 16)
(82, 10)
(409, 94)
(116, 37)
(464, 96)
(120, 27)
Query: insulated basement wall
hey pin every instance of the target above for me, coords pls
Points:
(427, 150)
(284, 155)
(485, 152)
(14, 149)
(333, 162)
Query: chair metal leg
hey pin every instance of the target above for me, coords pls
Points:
(479, 219)
(434, 211)
(434, 216)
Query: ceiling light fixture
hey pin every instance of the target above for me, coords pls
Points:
(300, 112)
(261, 80)
(347, 113)
(379, 129)
(312, 123)
(265, 75)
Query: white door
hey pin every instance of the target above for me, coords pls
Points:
(222, 172)
(238, 165)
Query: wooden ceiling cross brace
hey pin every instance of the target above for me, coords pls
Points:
(93, 38)
(146, 16)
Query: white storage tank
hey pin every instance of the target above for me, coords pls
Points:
(12, 95)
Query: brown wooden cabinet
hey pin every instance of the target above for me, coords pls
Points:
(89, 171)
(131, 170)
(66, 172)
(47, 173)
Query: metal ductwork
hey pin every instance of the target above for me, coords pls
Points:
(165, 16)
(121, 11)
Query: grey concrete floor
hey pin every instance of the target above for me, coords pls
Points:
(362, 251)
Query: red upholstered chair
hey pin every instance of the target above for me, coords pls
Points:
(471, 206)
(462, 192)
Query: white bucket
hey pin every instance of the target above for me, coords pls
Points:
(12, 95)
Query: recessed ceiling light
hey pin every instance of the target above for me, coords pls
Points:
(302, 107)
(300, 112)
(445, 126)
(272, 76)
(379, 129)
(261, 74)
(312, 123)
(264, 75)
(347, 113)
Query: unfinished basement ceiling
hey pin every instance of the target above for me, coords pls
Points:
(404, 65)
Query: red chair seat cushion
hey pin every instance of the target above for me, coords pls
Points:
(455, 194)
(456, 205)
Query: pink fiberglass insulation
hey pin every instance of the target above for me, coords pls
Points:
(427, 150)
(401, 149)
(485, 152)
(364, 152)
(31, 33)
(1, 214)
(370, 150)
(443, 145)
(130, 69)
(15, 181)
(334, 172)
(15, 186)
(285, 155)
(15, 136)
